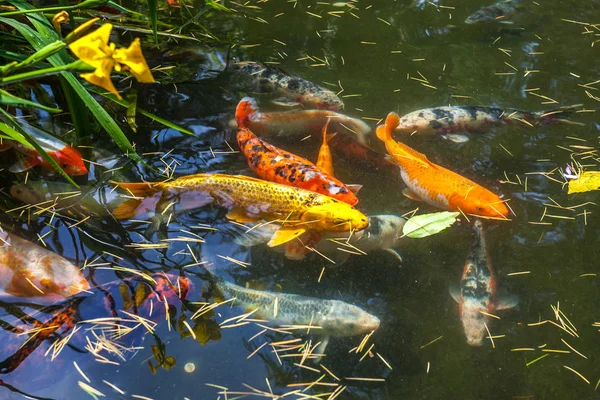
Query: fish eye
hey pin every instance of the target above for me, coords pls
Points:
(479, 208)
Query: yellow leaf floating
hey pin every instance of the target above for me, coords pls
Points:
(589, 180)
(94, 49)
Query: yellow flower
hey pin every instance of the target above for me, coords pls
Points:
(60, 18)
(94, 49)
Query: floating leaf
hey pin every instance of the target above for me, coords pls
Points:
(589, 180)
(424, 225)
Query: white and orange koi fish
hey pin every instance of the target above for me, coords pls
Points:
(477, 296)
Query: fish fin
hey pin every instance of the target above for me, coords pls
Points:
(507, 301)
(411, 195)
(24, 164)
(246, 110)
(455, 293)
(320, 349)
(137, 189)
(329, 136)
(255, 236)
(239, 215)
(285, 102)
(354, 188)
(130, 208)
(284, 235)
(456, 138)
(395, 253)
(384, 132)
(560, 114)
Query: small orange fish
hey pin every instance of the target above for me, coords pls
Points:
(280, 166)
(437, 185)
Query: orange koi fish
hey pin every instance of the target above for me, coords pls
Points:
(30, 271)
(67, 157)
(437, 185)
(324, 160)
(280, 166)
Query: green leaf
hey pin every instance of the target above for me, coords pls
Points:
(11, 134)
(153, 17)
(424, 225)
(40, 39)
(589, 180)
(10, 100)
(131, 110)
(36, 146)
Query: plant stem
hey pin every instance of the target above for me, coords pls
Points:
(78, 65)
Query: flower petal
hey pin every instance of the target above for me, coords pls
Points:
(101, 77)
(133, 58)
(93, 48)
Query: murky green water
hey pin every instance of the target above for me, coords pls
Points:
(380, 54)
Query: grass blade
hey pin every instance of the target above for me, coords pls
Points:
(10, 100)
(153, 17)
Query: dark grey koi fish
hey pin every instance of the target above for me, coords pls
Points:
(447, 121)
(477, 294)
(496, 11)
(297, 89)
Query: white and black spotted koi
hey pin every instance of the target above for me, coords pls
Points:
(494, 12)
(449, 121)
(477, 296)
(297, 89)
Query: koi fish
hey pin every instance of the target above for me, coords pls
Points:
(305, 122)
(447, 121)
(494, 12)
(299, 90)
(60, 195)
(67, 157)
(324, 160)
(478, 294)
(435, 184)
(348, 148)
(30, 271)
(280, 166)
(331, 317)
(383, 233)
(248, 199)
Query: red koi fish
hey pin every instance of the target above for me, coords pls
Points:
(437, 185)
(67, 157)
(280, 166)
(477, 294)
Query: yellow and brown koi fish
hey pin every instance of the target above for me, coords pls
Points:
(248, 199)
(280, 166)
(437, 185)
(450, 121)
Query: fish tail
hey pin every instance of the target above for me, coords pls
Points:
(384, 132)
(245, 111)
(325, 135)
(560, 114)
(128, 208)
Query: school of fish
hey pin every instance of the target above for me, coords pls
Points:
(295, 206)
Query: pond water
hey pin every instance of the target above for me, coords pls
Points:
(382, 56)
